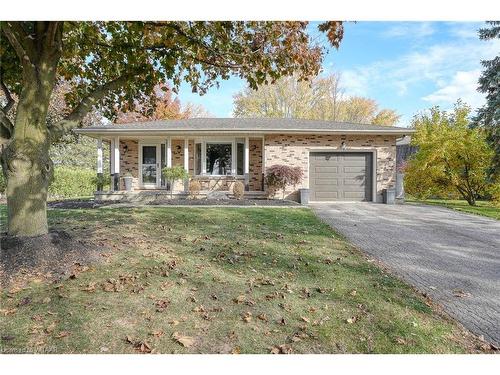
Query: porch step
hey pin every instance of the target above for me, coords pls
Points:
(150, 196)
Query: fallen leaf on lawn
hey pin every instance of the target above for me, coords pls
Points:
(104, 349)
(247, 317)
(89, 288)
(50, 327)
(352, 320)
(185, 341)
(240, 299)
(262, 317)
(236, 350)
(46, 300)
(37, 318)
(281, 349)
(144, 347)
(173, 322)
(157, 333)
(200, 308)
(353, 292)
(305, 319)
(6, 312)
(282, 321)
(400, 340)
(162, 304)
(62, 334)
(24, 301)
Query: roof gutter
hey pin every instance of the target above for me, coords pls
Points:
(146, 132)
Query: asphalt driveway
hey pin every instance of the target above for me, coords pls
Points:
(451, 256)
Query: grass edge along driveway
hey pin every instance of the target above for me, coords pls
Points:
(482, 208)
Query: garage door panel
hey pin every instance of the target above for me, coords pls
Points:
(354, 182)
(326, 169)
(354, 169)
(326, 181)
(322, 195)
(340, 176)
(354, 195)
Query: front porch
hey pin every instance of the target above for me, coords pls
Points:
(160, 195)
(216, 162)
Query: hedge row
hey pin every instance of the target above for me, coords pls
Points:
(68, 182)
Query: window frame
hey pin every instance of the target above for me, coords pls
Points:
(219, 140)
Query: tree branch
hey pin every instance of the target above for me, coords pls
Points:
(85, 106)
(20, 41)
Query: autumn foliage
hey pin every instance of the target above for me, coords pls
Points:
(279, 177)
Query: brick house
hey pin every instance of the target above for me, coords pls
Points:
(340, 161)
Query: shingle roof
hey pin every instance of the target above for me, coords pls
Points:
(261, 125)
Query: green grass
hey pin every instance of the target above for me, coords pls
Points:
(483, 208)
(215, 266)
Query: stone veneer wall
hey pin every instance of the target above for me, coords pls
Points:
(129, 162)
(255, 164)
(294, 150)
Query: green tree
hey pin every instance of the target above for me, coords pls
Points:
(488, 116)
(451, 157)
(111, 64)
(321, 99)
(173, 174)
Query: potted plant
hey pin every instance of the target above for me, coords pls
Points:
(172, 174)
(127, 179)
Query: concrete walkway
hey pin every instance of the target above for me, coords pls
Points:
(453, 257)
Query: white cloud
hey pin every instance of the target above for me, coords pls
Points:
(432, 66)
(464, 30)
(412, 30)
(462, 85)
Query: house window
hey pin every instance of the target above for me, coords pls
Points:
(218, 158)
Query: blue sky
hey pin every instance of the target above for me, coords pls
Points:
(406, 66)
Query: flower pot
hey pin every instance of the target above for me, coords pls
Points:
(128, 182)
(304, 196)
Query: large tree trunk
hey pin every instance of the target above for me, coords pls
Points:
(27, 171)
(25, 160)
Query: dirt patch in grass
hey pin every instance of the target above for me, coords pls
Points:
(49, 256)
(78, 204)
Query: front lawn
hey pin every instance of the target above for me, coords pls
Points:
(220, 280)
(483, 208)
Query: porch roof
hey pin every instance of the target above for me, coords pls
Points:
(208, 126)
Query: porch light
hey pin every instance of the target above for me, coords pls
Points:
(343, 145)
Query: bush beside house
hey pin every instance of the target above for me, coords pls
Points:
(279, 177)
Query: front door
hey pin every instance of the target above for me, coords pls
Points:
(150, 165)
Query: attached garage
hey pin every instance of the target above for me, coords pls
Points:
(341, 176)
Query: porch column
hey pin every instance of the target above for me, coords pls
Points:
(112, 164)
(99, 164)
(116, 152)
(186, 162)
(169, 152)
(246, 166)
(203, 158)
(263, 162)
